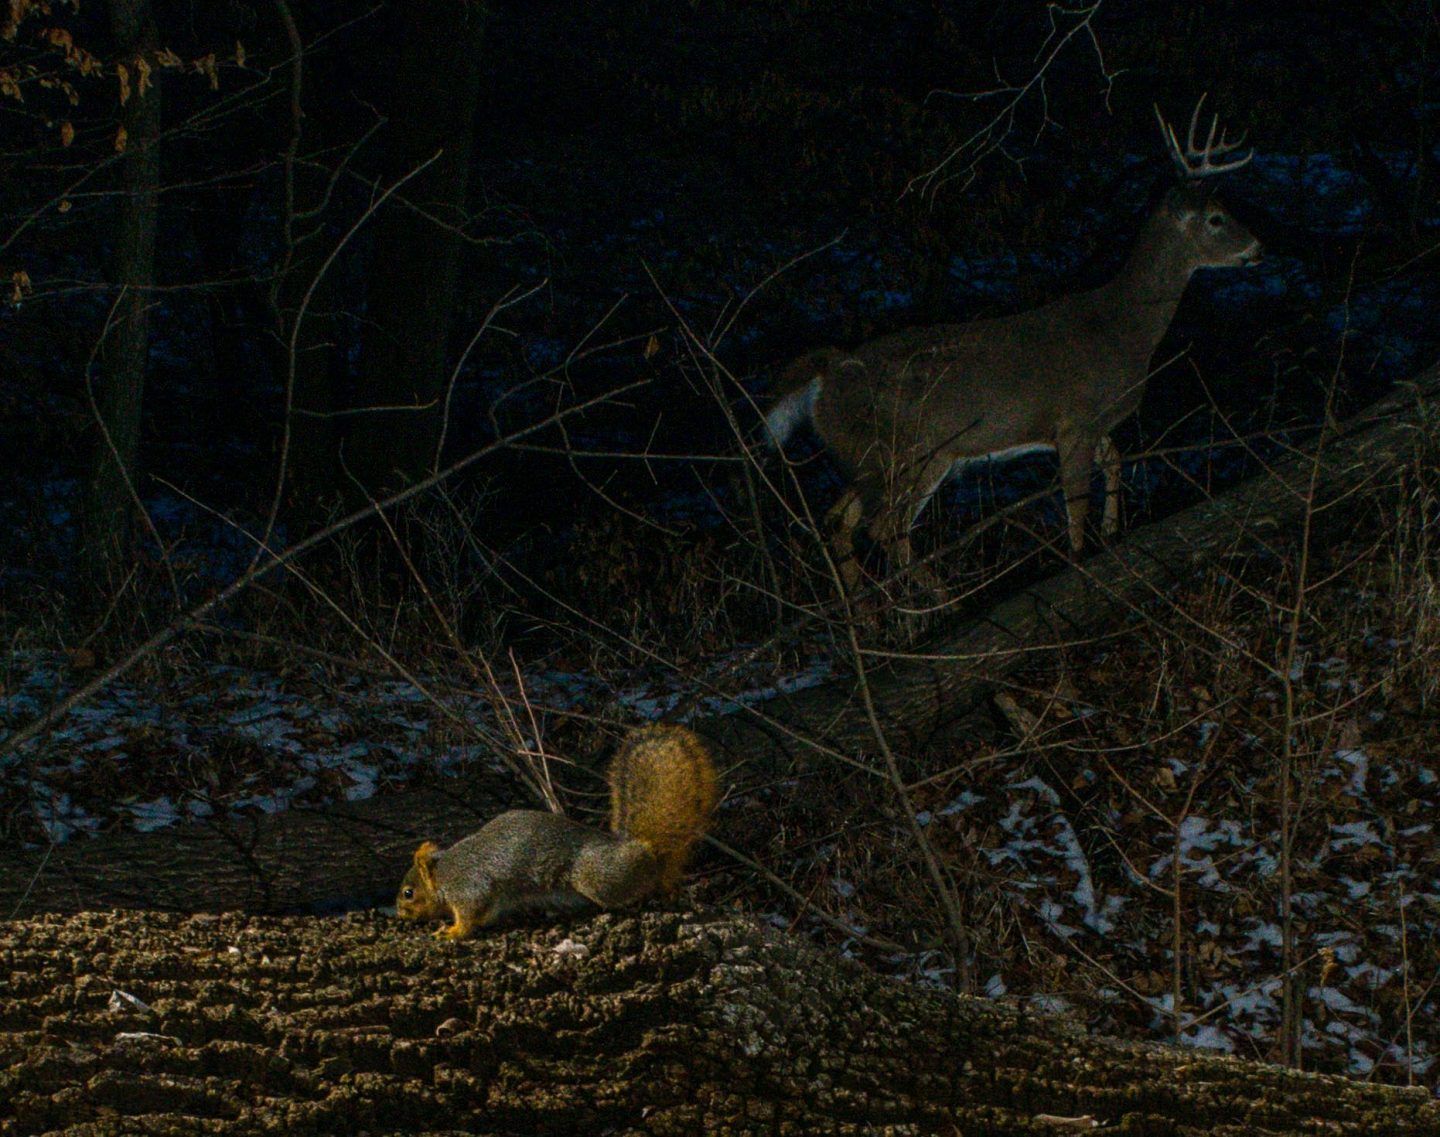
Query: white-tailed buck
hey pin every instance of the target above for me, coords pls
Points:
(902, 411)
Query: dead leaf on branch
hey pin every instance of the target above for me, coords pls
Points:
(76, 56)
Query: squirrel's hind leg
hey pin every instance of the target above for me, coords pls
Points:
(615, 875)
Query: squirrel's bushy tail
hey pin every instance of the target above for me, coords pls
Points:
(663, 789)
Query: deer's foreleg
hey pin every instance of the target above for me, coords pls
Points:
(842, 521)
(1077, 463)
(1107, 457)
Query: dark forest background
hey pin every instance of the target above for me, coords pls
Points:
(345, 246)
(467, 310)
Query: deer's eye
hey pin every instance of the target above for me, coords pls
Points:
(1215, 220)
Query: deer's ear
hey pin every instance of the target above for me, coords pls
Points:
(424, 855)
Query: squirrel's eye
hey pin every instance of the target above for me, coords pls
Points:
(409, 894)
(1216, 220)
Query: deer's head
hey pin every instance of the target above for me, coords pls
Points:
(1210, 235)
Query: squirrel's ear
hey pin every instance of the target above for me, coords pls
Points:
(423, 866)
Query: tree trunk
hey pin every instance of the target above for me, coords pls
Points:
(311, 335)
(404, 356)
(107, 508)
(308, 353)
(662, 1023)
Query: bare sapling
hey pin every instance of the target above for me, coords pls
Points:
(901, 412)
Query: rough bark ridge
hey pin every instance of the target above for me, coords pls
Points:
(663, 1023)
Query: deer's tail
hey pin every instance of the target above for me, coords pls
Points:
(799, 386)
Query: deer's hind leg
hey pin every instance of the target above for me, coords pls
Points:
(1107, 457)
(892, 530)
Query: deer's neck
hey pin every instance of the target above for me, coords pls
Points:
(1144, 294)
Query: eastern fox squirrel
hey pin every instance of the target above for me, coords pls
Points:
(662, 792)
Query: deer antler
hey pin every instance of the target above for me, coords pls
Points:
(1193, 162)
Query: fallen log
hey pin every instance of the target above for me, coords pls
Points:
(662, 1023)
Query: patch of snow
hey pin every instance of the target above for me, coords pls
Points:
(1354, 834)
(1262, 934)
(1207, 1036)
(1339, 1002)
(154, 814)
(59, 817)
(1356, 888)
(1039, 786)
(1359, 763)
(963, 801)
